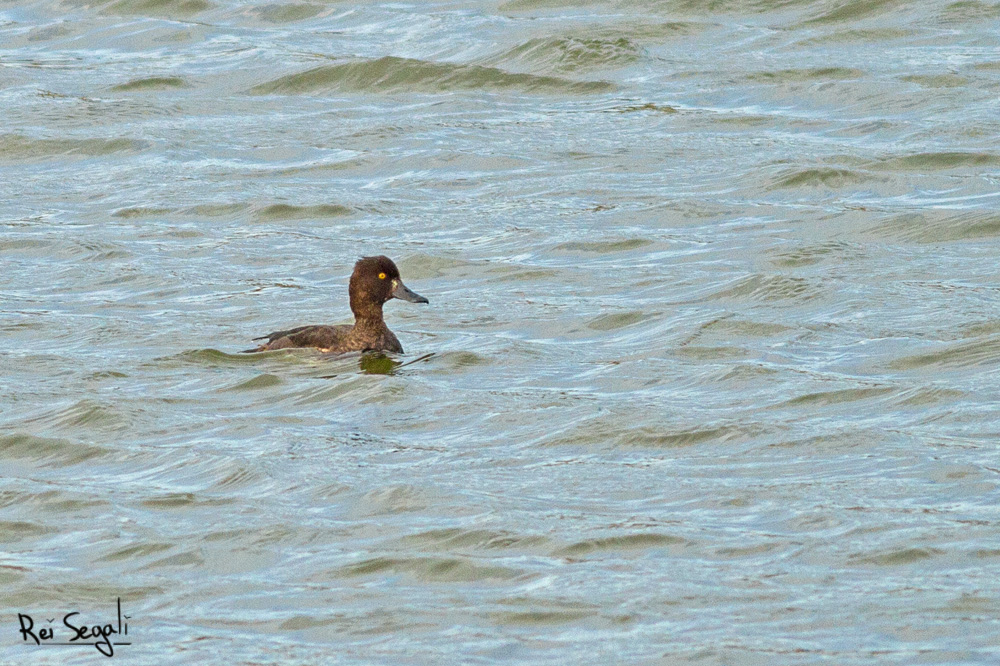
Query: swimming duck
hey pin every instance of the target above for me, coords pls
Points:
(374, 282)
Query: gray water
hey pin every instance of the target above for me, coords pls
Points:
(708, 373)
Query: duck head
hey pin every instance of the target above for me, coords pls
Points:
(374, 282)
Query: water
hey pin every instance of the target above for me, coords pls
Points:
(708, 373)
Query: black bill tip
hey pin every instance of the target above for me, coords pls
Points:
(404, 293)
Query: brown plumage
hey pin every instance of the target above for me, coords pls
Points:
(374, 282)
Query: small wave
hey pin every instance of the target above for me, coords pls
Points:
(152, 83)
(967, 11)
(895, 558)
(28, 246)
(728, 6)
(981, 328)
(770, 288)
(189, 559)
(962, 355)
(95, 590)
(513, 274)
(569, 54)
(19, 147)
(606, 432)
(825, 398)
(52, 501)
(63, 249)
(612, 322)
(141, 212)
(48, 452)
(458, 361)
(346, 385)
(603, 247)
(164, 8)
(89, 251)
(85, 414)
(660, 31)
(531, 5)
(711, 353)
(11, 574)
(939, 161)
(864, 35)
(834, 251)
(264, 381)
(401, 498)
(937, 80)
(854, 10)
(12, 531)
(449, 539)
(49, 32)
(214, 357)
(541, 617)
(217, 210)
(183, 501)
(639, 108)
(941, 226)
(279, 212)
(751, 551)
(640, 541)
(238, 475)
(429, 569)
(134, 552)
(286, 13)
(813, 74)
(392, 74)
(726, 328)
(820, 177)
(422, 266)
(922, 397)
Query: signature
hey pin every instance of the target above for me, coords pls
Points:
(80, 633)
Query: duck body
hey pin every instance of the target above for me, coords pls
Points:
(335, 339)
(374, 282)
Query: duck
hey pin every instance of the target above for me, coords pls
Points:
(374, 282)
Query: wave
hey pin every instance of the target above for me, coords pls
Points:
(392, 74)
(152, 83)
(20, 147)
(568, 54)
(941, 226)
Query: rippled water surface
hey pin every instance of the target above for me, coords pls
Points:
(708, 374)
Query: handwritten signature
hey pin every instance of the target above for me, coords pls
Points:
(46, 636)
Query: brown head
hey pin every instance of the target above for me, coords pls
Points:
(376, 280)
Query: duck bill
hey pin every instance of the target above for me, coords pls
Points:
(403, 293)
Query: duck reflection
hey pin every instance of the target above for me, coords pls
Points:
(377, 363)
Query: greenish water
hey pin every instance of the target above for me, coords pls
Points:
(708, 373)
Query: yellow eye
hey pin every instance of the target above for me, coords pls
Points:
(381, 276)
